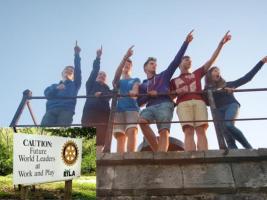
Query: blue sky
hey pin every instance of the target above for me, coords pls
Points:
(37, 39)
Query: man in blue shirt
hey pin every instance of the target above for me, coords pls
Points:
(59, 111)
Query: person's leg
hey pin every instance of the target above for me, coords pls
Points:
(149, 134)
(131, 130)
(100, 138)
(64, 117)
(146, 116)
(189, 142)
(185, 112)
(164, 113)
(121, 141)
(49, 119)
(230, 141)
(101, 130)
(202, 142)
(201, 113)
(131, 134)
(119, 132)
(163, 140)
(231, 113)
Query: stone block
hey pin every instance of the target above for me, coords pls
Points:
(138, 177)
(105, 177)
(250, 176)
(207, 178)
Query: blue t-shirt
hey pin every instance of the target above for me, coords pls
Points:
(127, 103)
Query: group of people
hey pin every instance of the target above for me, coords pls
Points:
(160, 93)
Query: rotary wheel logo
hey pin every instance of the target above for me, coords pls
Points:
(70, 153)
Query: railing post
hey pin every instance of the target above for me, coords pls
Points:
(31, 113)
(26, 95)
(218, 125)
(107, 147)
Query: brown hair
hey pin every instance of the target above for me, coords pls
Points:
(148, 60)
(209, 83)
(186, 56)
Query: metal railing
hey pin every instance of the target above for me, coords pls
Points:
(219, 128)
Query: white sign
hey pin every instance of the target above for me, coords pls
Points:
(40, 159)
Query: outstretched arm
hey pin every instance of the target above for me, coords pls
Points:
(94, 73)
(178, 58)
(77, 67)
(249, 76)
(224, 40)
(118, 73)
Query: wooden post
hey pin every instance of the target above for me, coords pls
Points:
(218, 125)
(68, 190)
(24, 192)
(110, 122)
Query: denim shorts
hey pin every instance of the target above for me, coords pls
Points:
(162, 112)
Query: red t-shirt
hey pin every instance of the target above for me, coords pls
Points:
(190, 82)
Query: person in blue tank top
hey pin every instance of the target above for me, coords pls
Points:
(127, 109)
(226, 104)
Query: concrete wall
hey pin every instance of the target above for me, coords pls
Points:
(209, 175)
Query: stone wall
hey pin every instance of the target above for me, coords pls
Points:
(209, 175)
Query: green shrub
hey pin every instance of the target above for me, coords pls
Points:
(6, 159)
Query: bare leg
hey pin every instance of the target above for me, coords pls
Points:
(202, 142)
(149, 134)
(121, 142)
(189, 142)
(163, 140)
(131, 134)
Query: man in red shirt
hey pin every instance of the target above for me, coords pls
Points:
(190, 106)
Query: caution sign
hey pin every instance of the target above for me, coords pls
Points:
(40, 159)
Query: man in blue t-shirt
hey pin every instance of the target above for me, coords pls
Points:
(127, 108)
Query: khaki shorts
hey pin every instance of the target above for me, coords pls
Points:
(192, 110)
(125, 117)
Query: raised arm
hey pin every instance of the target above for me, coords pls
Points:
(215, 54)
(94, 72)
(77, 67)
(118, 73)
(177, 59)
(249, 76)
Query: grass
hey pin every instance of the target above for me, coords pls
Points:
(83, 188)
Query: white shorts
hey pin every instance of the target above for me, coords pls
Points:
(192, 110)
(125, 117)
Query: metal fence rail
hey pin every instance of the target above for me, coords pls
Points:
(27, 96)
